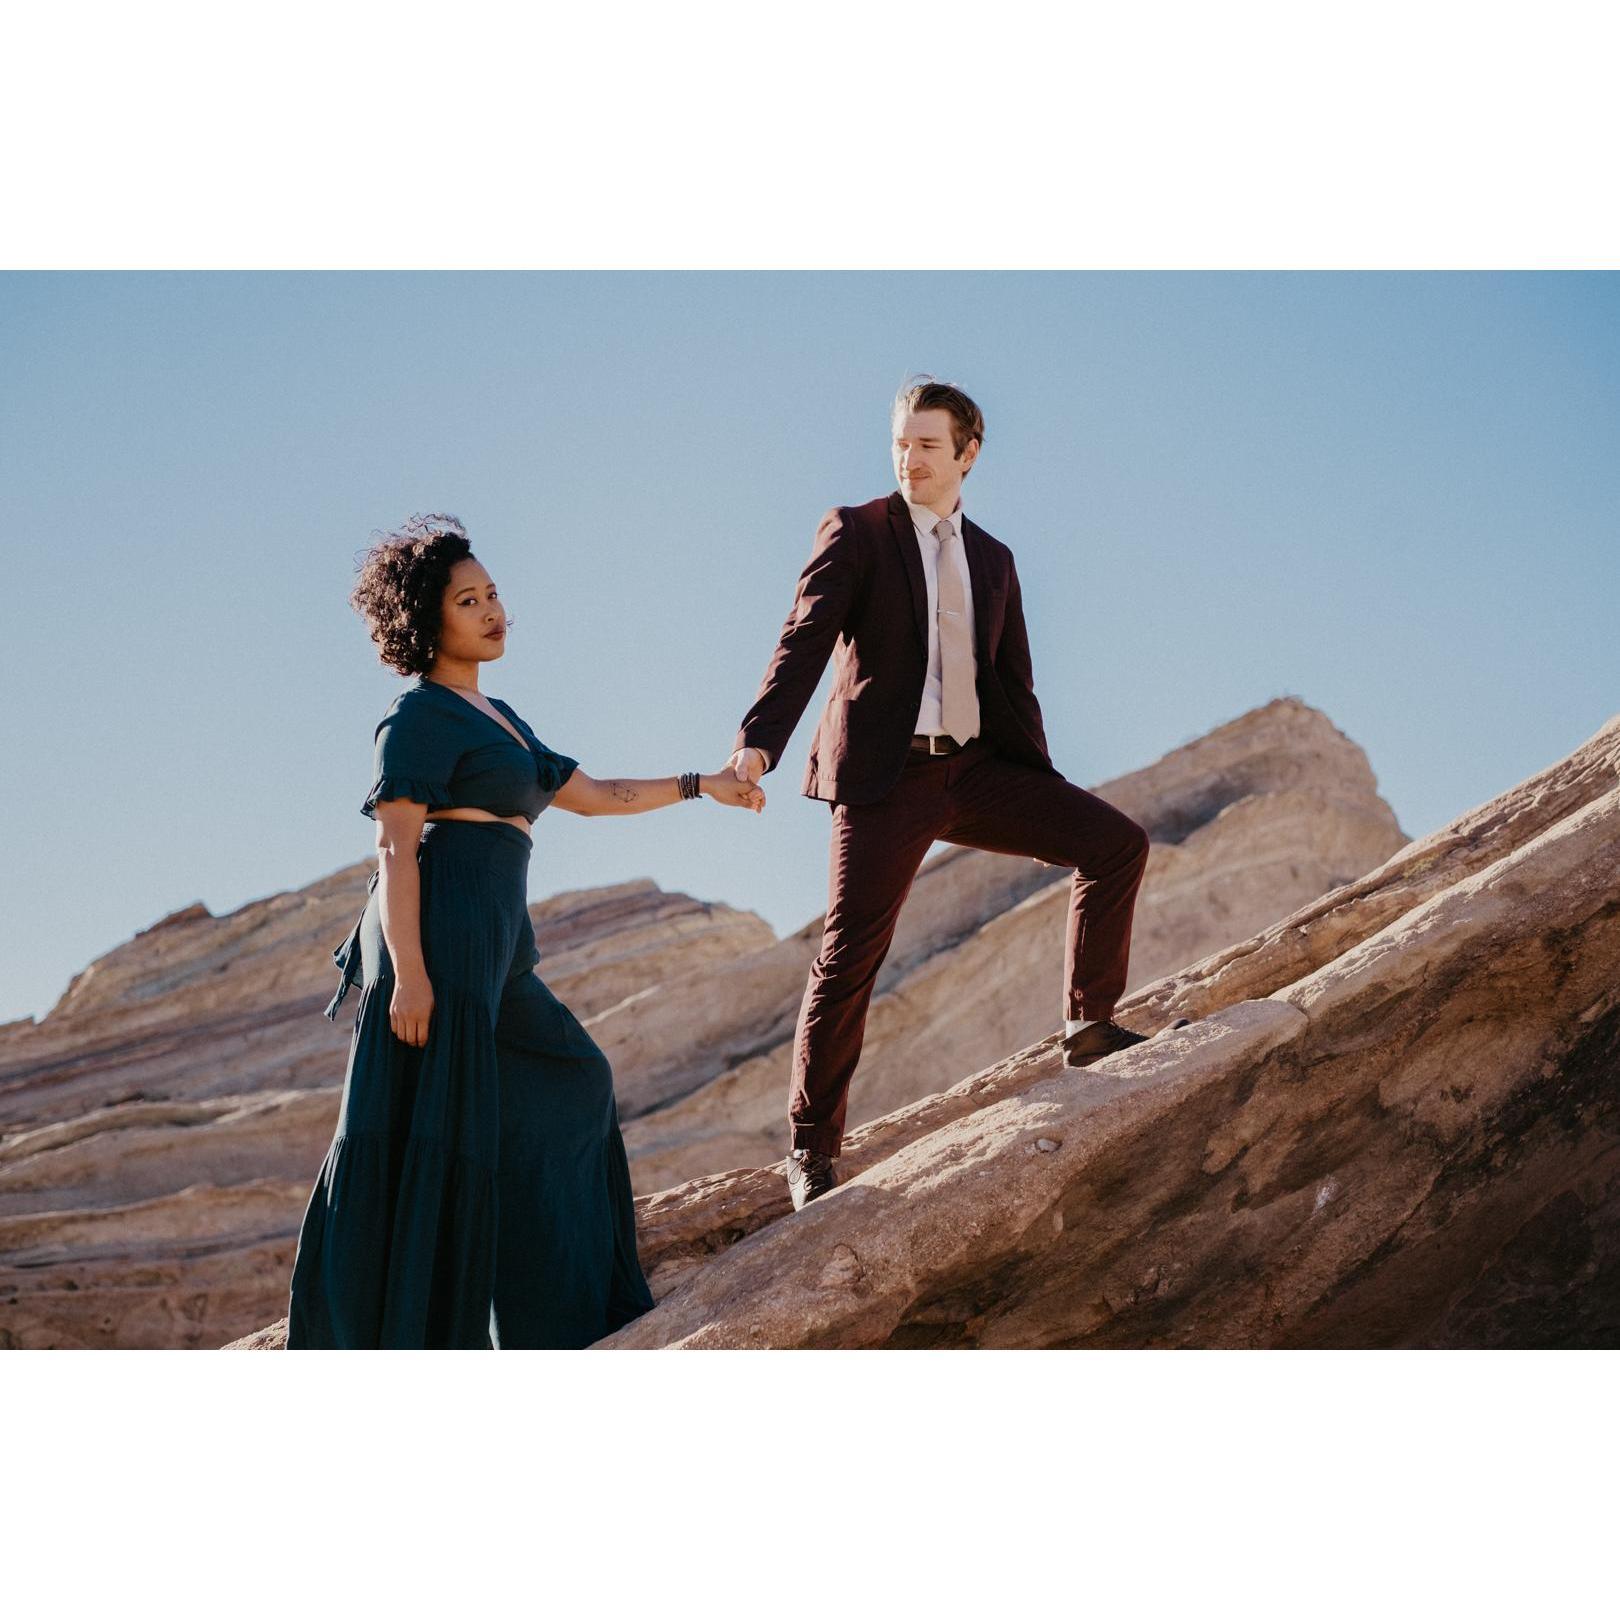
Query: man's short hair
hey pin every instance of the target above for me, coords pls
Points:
(922, 392)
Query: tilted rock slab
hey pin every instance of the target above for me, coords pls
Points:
(1399, 1131)
(683, 1226)
(1000, 988)
(1248, 821)
(192, 1061)
(1414, 1143)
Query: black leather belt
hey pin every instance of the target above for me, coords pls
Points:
(925, 744)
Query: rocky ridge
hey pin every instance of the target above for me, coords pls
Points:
(164, 1122)
(1393, 1120)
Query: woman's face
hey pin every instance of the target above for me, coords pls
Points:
(473, 625)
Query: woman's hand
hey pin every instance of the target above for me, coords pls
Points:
(724, 788)
(410, 1009)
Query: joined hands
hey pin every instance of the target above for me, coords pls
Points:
(731, 785)
(738, 781)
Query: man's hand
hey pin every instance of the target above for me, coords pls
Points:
(747, 764)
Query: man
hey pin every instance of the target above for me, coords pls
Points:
(931, 731)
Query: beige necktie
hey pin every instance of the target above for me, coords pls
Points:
(958, 699)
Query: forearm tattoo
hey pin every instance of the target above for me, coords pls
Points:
(621, 791)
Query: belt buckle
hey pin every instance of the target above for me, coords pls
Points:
(933, 752)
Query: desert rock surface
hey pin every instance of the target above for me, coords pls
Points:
(1391, 1121)
(162, 1126)
(1247, 822)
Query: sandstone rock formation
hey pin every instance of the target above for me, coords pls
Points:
(1248, 822)
(164, 1123)
(1393, 1121)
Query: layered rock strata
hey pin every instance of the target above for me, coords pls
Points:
(163, 1124)
(1393, 1120)
(1248, 822)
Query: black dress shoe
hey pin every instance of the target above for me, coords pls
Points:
(1095, 1041)
(809, 1174)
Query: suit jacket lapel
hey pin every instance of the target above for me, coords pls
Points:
(979, 575)
(905, 537)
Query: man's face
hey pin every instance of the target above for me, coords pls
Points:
(925, 459)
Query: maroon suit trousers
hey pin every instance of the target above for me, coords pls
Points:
(979, 798)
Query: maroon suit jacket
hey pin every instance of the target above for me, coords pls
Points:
(862, 600)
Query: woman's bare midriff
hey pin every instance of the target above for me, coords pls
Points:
(522, 823)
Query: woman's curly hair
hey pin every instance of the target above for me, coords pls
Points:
(400, 591)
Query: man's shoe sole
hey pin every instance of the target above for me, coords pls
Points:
(1085, 1060)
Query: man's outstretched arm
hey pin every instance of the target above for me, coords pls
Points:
(821, 606)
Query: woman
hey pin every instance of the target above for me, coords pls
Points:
(476, 1193)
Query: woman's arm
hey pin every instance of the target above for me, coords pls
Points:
(630, 796)
(399, 897)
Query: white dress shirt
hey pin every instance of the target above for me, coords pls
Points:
(928, 720)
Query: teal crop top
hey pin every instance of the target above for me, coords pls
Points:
(436, 748)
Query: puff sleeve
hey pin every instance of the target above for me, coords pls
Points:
(552, 769)
(417, 747)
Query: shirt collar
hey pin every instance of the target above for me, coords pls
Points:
(925, 518)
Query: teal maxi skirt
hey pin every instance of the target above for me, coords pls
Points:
(476, 1194)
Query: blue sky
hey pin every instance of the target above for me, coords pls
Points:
(1394, 495)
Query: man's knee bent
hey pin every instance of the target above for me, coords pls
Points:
(1140, 843)
(1129, 853)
